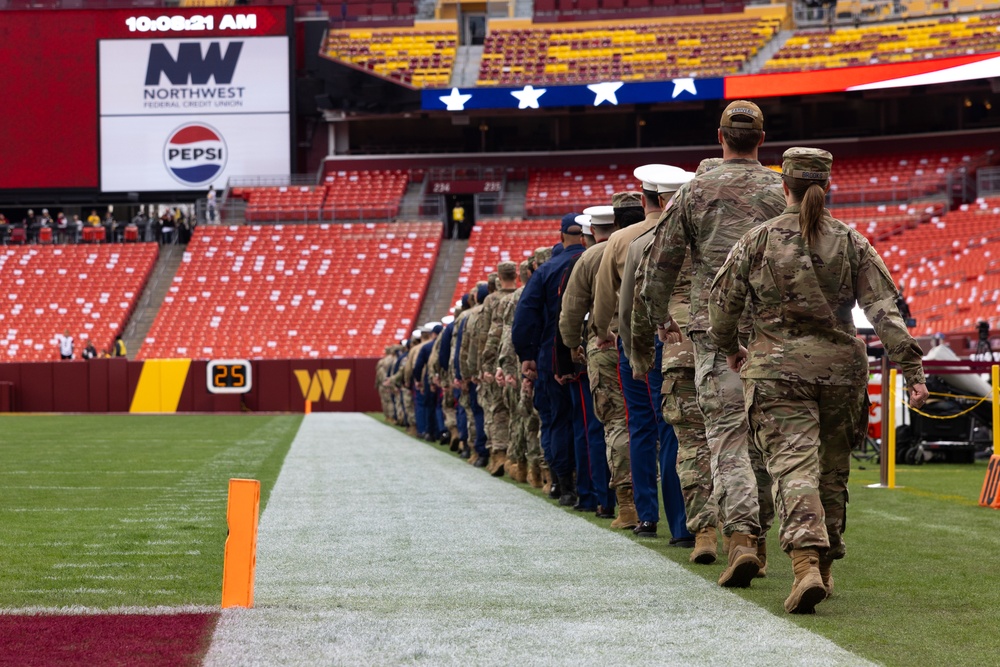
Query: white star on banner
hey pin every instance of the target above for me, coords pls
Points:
(605, 92)
(456, 101)
(684, 85)
(528, 97)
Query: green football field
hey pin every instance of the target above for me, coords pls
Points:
(103, 511)
(109, 511)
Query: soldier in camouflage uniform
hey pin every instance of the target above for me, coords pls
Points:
(709, 215)
(491, 327)
(404, 382)
(476, 339)
(381, 375)
(509, 382)
(678, 395)
(468, 356)
(465, 396)
(805, 370)
(576, 321)
(526, 428)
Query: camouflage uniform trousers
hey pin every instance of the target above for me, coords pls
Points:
(385, 396)
(530, 426)
(485, 392)
(518, 449)
(409, 406)
(449, 408)
(466, 402)
(679, 403)
(609, 408)
(720, 397)
(499, 429)
(807, 432)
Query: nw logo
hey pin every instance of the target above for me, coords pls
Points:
(323, 384)
(191, 67)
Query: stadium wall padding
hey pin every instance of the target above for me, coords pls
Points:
(180, 385)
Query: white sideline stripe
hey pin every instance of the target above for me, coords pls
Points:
(79, 610)
(376, 550)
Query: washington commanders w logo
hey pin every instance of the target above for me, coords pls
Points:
(323, 384)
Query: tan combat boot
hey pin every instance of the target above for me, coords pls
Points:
(808, 589)
(826, 574)
(496, 467)
(411, 430)
(705, 544)
(627, 516)
(473, 456)
(725, 544)
(743, 563)
(762, 557)
(534, 476)
(521, 472)
(509, 468)
(546, 480)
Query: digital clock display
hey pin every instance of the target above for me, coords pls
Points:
(196, 23)
(229, 376)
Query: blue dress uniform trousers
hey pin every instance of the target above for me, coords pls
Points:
(555, 408)
(420, 408)
(461, 419)
(643, 439)
(592, 474)
(480, 420)
(673, 498)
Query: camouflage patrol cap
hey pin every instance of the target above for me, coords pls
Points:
(626, 199)
(811, 164)
(742, 115)
(542, 255)
(708, 164)
(507, 270)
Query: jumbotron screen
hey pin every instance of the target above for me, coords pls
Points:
(144, 100)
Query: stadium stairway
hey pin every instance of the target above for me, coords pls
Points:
(437, 299)
(756, 63)
(159, 282)
(465, 71)
(410, 204)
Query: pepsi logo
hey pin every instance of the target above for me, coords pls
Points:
(195, 154)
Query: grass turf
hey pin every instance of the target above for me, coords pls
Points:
(104, 511)
(917, 583)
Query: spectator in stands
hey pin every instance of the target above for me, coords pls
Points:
(184, 225)
(210, 204)
(93, 219)
(4, 228)
(119, 347)
(65, 343)
(112, 231)
(166, 235)
(63, 230)
(89, 352)
(457, 221)
(904, 308)
(30, 224)
(141, 222)
(77, 228)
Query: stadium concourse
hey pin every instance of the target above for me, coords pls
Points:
(418, 565)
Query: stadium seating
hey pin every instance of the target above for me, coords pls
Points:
(900, 42)
(495, 241)
(559, 191)
(900, 177)
(89, 290)
(565, 10)
(950, 268)
(558, 54)
(357, 195)
(882, 221)
(303, 291)
(344, 195)
(421, 58)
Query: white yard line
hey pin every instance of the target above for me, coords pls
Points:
(377, 550)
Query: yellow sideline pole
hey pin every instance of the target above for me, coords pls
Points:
(890, 422)
(240, 559)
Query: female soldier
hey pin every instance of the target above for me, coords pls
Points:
(805, 370)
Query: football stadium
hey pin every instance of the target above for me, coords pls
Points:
(496, 332)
